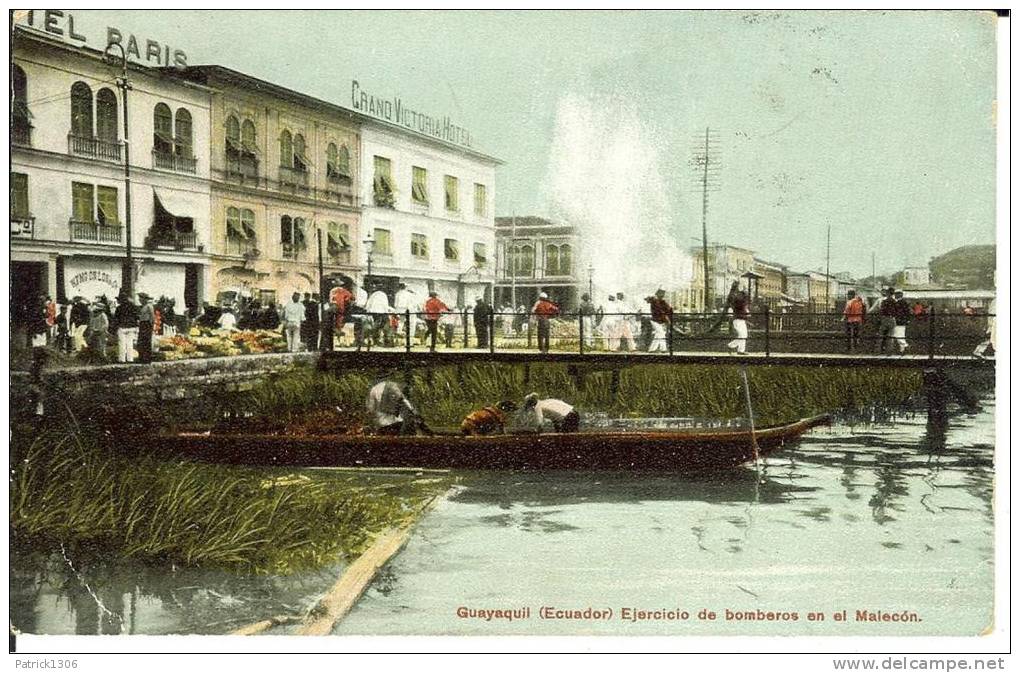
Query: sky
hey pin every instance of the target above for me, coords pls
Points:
(878, 125)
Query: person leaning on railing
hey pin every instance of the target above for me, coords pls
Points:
(544, 309)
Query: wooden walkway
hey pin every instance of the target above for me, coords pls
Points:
(395, 357)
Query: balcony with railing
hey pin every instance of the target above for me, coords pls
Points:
(93, 232)
(108, 150)
(174, 240)
(168, 161)
(243, 247)
(293, 178)
(22, 226)
(293, 252)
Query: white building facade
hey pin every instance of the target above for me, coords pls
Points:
(428, 212)
(69, 194)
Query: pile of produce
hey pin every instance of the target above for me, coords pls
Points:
(203, 342)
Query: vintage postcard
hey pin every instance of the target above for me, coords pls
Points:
(504, 323)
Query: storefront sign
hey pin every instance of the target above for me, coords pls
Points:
(61, 24)
(92, 278)
(393, 110)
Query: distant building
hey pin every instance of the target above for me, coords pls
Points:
(772, 285)
(968, 267)
(533, 255)
(798, 287)
(726, 264)
(915, 276)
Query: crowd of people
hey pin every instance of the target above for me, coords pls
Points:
(130, 325)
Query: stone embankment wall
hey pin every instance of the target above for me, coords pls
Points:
(162, 381)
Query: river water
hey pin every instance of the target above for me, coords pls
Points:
(892, 516)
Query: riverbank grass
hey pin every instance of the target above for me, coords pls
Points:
(67, 489)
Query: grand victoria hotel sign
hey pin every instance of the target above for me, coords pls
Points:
(393, 110)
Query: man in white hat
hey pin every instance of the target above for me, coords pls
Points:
(544, 309)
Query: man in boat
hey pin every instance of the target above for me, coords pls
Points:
(535, 412)
(391, 413)
(491, 420)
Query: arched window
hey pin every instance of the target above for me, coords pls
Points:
(292, 235)
(248, 223)
(182, 133)
(234, 230)
(233, 145)
(343, 162)
(162, 129)
(106, 115)
(552, 260)
(249, 149)
(300, 161)
(566, 260)
(81, 110)
(331, 157)
(527, 261)
(286, 149)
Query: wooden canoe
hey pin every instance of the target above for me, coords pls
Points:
(645, 450)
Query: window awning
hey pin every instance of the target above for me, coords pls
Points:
(175, 203)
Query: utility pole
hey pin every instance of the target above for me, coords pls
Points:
(128, 278)
(874, 280)
(707, 165)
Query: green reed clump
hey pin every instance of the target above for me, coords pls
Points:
(446, 394)
(66, 488)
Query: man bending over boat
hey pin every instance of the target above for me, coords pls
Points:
(491, 420)
(535, 412)
(391, 413)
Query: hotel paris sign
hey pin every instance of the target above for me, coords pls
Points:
(61, 24)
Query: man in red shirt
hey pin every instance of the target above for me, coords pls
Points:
(434, 307)
(543, 310)
(341, 297)
(853, 317)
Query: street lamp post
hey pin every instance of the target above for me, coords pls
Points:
(591, 286)
(369, 248)
(125, 86)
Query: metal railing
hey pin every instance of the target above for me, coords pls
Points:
(176, 240)
(93, 232)
(767, 333)
(244, 247)
(293, 177)
(169, 161)
(22, 226)
(291, 251)
(94, 147)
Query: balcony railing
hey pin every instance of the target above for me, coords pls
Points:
(340, 257)
(173, 162)
(21, 134)
(338, 179)
(93, 232)
(94, 147)
(293, 177)
(175, 240)
(22, 226)
(244, 247)
(291, 251)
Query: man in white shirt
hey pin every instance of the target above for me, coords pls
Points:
(405, 302)
(228, 320)
(390, 412)
(378, 306)
(535, 412)
(293, 315)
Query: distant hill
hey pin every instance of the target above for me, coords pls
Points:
(970, 267)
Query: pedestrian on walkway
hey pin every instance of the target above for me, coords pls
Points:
(662, 318)
(887, 318)
(628, 322)
(125, 320)
(737, 304)
(481, 315)
(902, 314)
(293, 316)
(146, 324)
(544, 309)
(853, 317)
(310, 325)
(610, 325)
(80, 314)
(434, 309)
(98, 330)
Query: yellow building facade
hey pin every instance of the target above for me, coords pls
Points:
(284, 175)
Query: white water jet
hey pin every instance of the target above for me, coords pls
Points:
(606, 179)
